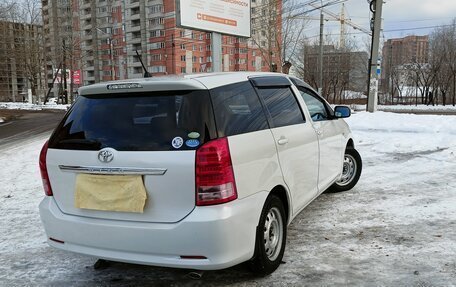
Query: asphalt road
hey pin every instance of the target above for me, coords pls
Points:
(22, 125)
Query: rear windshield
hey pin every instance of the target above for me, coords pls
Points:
(154, 121)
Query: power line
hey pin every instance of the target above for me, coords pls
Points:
(419, 28)
(392, 30)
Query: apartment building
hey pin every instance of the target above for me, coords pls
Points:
(102, 40)
(21, 61)
(402, 51)
(341, 68)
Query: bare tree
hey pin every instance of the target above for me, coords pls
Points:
(22, 48)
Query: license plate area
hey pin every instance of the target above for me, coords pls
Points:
(118, 193)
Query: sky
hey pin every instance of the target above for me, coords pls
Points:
(399, 17)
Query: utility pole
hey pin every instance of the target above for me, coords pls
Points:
(64, 70)
(320, 57)
(216, 41)
(376, 9)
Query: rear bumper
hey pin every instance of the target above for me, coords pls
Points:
(224, 234)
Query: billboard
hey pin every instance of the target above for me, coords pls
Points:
(231, 17)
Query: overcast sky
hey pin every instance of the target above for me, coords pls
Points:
(399, 17)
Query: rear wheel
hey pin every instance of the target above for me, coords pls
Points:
(351, 171)
(270, 237)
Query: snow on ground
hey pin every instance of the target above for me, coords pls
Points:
(26, 106)
(1, 120)
(397, 227)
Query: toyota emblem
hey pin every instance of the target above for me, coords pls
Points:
(105, 156)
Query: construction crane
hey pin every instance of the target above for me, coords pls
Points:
(340, 18)
(343, 21)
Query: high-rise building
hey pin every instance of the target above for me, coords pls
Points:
(108, 35)
(21, 61)
(402, 51)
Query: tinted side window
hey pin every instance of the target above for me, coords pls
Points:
(282, 106)
(148, 121)
(237, 109)
(316, 107)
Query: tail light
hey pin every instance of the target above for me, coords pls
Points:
(214, 174)
(44, 172)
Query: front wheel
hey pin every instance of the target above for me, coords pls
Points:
(270, 237)
(351, 171)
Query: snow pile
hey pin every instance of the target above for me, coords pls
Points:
(1, 120)
(417, 108)
(27, 106)
(349, 95)
(407, 108)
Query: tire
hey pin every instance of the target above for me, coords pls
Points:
(269, 251)
(351, 172)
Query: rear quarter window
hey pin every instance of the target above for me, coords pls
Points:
(153, 121)
(237, 109)
(282, 106)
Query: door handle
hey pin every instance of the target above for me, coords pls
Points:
(282, 141)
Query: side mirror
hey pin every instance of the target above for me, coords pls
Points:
(342, 112)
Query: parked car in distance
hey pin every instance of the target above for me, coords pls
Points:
(200, 172)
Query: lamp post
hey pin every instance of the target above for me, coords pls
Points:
(111, 55)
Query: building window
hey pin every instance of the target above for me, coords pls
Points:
(156, 21)
(158, 69)
(183, 58)
(157, 33)
(158, 45)
(156, 57)
(156, 9)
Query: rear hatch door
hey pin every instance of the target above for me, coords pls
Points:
(150, 134)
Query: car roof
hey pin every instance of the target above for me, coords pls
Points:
(174, 82)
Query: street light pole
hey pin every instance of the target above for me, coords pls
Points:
(320, 78)
(111, 51)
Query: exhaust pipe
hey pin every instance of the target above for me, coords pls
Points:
(195, 275)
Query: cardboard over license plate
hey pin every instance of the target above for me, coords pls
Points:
(124, 193)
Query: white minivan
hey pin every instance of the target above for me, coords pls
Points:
(200, 172)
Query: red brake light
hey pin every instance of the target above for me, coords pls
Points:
(43, 170)
(214, 173)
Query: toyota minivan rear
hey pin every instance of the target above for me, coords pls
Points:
(136, 172)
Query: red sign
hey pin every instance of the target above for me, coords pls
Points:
(77, 77)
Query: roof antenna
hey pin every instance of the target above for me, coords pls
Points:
(146, 73)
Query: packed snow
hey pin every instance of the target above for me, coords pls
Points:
(397, 227)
